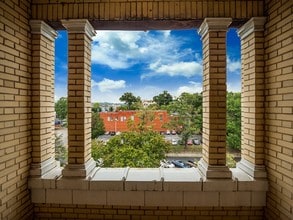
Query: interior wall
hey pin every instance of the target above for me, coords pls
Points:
(279, 108)
(15, 124)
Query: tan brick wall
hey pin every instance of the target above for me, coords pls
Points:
(80, 34)
(214, 90)
(15, 97)
(252, 94)
(145, 9)
(15, 104)
(66, 212)
(43, 48)
(279, 109)
(79, 98)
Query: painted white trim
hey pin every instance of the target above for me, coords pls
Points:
(253, 25)
(79, 26)
(40, 27)
(214, 24)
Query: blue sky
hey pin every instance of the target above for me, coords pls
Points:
(146, 63)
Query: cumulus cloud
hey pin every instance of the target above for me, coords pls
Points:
(124, 49)
(192, 87)
(233, 66)
(186, 69)
(234, 87)
(107, 85)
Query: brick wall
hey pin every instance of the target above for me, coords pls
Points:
(145, 9)
(15, 124)
(66, 212)
(279, 108)
(15, 97)
(119, 121)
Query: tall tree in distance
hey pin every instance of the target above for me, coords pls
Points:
(98, 127)
(163, 99)
(132, 102)
(61, 108)
(186, 113)
(96, 107)
(234, 120)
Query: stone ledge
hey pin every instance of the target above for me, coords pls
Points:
(149, 187)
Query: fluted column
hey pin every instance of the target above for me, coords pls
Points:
(213, 35)
(80, 162)
(43, 138)
(252, 97)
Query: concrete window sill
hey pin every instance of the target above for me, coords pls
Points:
(149, 187)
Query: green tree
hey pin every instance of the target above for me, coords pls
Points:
(98, 127)
(163, 99)
(133, 149)
(96, 107)
(234, 120)
(186, 112)
(61, 108)
(60, 150)
(130, 100)
(145, 123)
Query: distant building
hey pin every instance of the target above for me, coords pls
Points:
(105, 106)
(147, 103)
(118, 121)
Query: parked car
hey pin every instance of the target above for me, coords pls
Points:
(180, 164)
(196, 141)
(174, 142)
(173, 132)
(189, 142)
(168, 132)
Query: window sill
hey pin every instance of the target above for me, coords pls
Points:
(149, 187)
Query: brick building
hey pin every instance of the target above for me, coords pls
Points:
(118, 121)
(32, 185)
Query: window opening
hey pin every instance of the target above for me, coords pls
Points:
(61, 73)
(161, 68)
(233, 98)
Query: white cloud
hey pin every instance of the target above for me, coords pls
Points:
(234, 87)
(186, 69)
(124, 49)
(107, 85)
(233, 66)
(116, 49)
(192, 87)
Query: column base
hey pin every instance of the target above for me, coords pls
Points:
(79, 170)
(214, 172)
(40, 169)
(255, 171)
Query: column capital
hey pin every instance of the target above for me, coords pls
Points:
(214, 24)
(254, 24)
(79, 26)
(40, 27)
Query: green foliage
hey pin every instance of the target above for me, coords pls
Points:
(132, 102)
(231, 163)
(60, 150)
(98, 127)
(145, 123)
(133, 149)
(187, 115)
(234, 120)
(96, 107)
(61, 108)
(163, 99)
